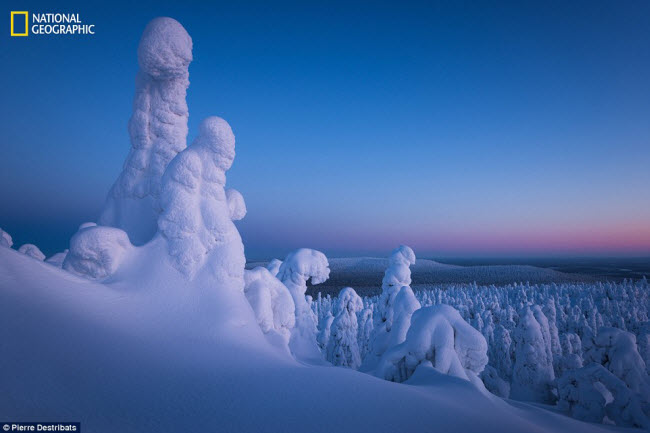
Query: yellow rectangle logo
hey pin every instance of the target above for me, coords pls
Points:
(19, 13)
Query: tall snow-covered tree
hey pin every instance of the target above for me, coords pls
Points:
(533, 375)
(342, 347)
(158, 129)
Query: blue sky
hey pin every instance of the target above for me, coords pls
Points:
(459, 128)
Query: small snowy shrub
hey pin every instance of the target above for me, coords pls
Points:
(96, 252)
(58, 259)
(32, 251)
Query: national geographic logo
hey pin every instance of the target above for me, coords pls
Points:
(48, 24)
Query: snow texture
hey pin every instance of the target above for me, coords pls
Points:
(158, 128)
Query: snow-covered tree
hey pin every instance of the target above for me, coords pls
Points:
(271, 301)
(58, 259)
(532, 376)
(32, 251)
(196, 217)
(158, 129)
(365, 330)
(342, 347)
(96, 252)
(592, 392)
(300, 266)
(438, 335)
(274, 266)
(617, 351)
(5, 239)
(397, 275)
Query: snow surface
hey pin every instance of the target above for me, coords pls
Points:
(132, 356)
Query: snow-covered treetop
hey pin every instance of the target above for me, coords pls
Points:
(402, 255)
(303, 264)
(5, 239)
(165, 49)
(398, 273)
(349, 301)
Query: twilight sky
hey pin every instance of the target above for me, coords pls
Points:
(458, 128)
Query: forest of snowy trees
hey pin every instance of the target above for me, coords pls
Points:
(582, 346)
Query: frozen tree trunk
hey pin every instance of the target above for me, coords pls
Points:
(158, 129)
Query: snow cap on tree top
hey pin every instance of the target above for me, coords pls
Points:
(165, 49)
(402, 255)
(215, 133)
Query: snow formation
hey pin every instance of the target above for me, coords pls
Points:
(396, 276)
(158, 128)
(440, 336)
(96, 252)
(5, 239)
(196, 214)
(32, 251)
(271, 301)
(300, 266)
(342, 346)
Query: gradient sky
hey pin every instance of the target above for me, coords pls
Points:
(459, 128)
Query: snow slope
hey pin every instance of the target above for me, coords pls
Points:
(160, 356)
(365, 273)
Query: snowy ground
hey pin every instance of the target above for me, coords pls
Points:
(133, 358)
(364, 273)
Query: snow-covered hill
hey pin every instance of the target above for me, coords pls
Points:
(365, 274)
(159, 358)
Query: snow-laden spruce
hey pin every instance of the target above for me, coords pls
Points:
(532, 376)
(271, 302)
(342, 346)
(158, 128)
(397, 275)
(196, 214)
(298, 267)
(440, 336)
(32, 251)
